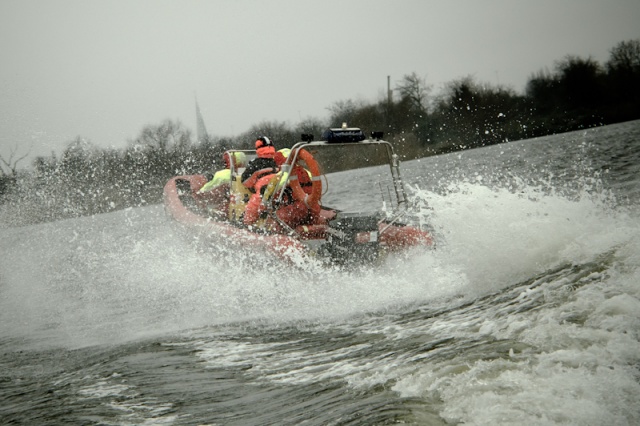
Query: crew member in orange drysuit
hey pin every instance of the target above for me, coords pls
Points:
(264, 164)
(291, 212)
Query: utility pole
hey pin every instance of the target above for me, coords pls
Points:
(389, 92)
(389, 101)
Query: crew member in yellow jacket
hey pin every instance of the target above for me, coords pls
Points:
(224, 176)
(214, 195)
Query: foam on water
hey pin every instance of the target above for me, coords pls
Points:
(576, 356)
(571, 361)
(499, 235)
(128, 273)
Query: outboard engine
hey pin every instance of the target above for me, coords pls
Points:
(352, 239)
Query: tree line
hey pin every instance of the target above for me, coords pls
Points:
(577, 93)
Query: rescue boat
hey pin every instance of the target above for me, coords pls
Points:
(339, 232)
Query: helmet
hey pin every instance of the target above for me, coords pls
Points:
(264, 147)
(263, 141)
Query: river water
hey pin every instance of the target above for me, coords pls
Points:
(528, 311)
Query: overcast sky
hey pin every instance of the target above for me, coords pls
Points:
(104, 69)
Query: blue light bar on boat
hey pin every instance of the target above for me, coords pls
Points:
(343, 135)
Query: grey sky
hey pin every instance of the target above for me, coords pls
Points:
(104, 69)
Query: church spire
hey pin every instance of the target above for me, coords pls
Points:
(201, 130)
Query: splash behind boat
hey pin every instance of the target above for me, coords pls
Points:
(360, 232)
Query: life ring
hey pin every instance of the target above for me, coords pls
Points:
(312, 201)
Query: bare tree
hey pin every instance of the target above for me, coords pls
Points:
(625, 56)
(168, 135)
(9, 167)
(580, 81)
(344, 112)
(624, 70)
(414, 89)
